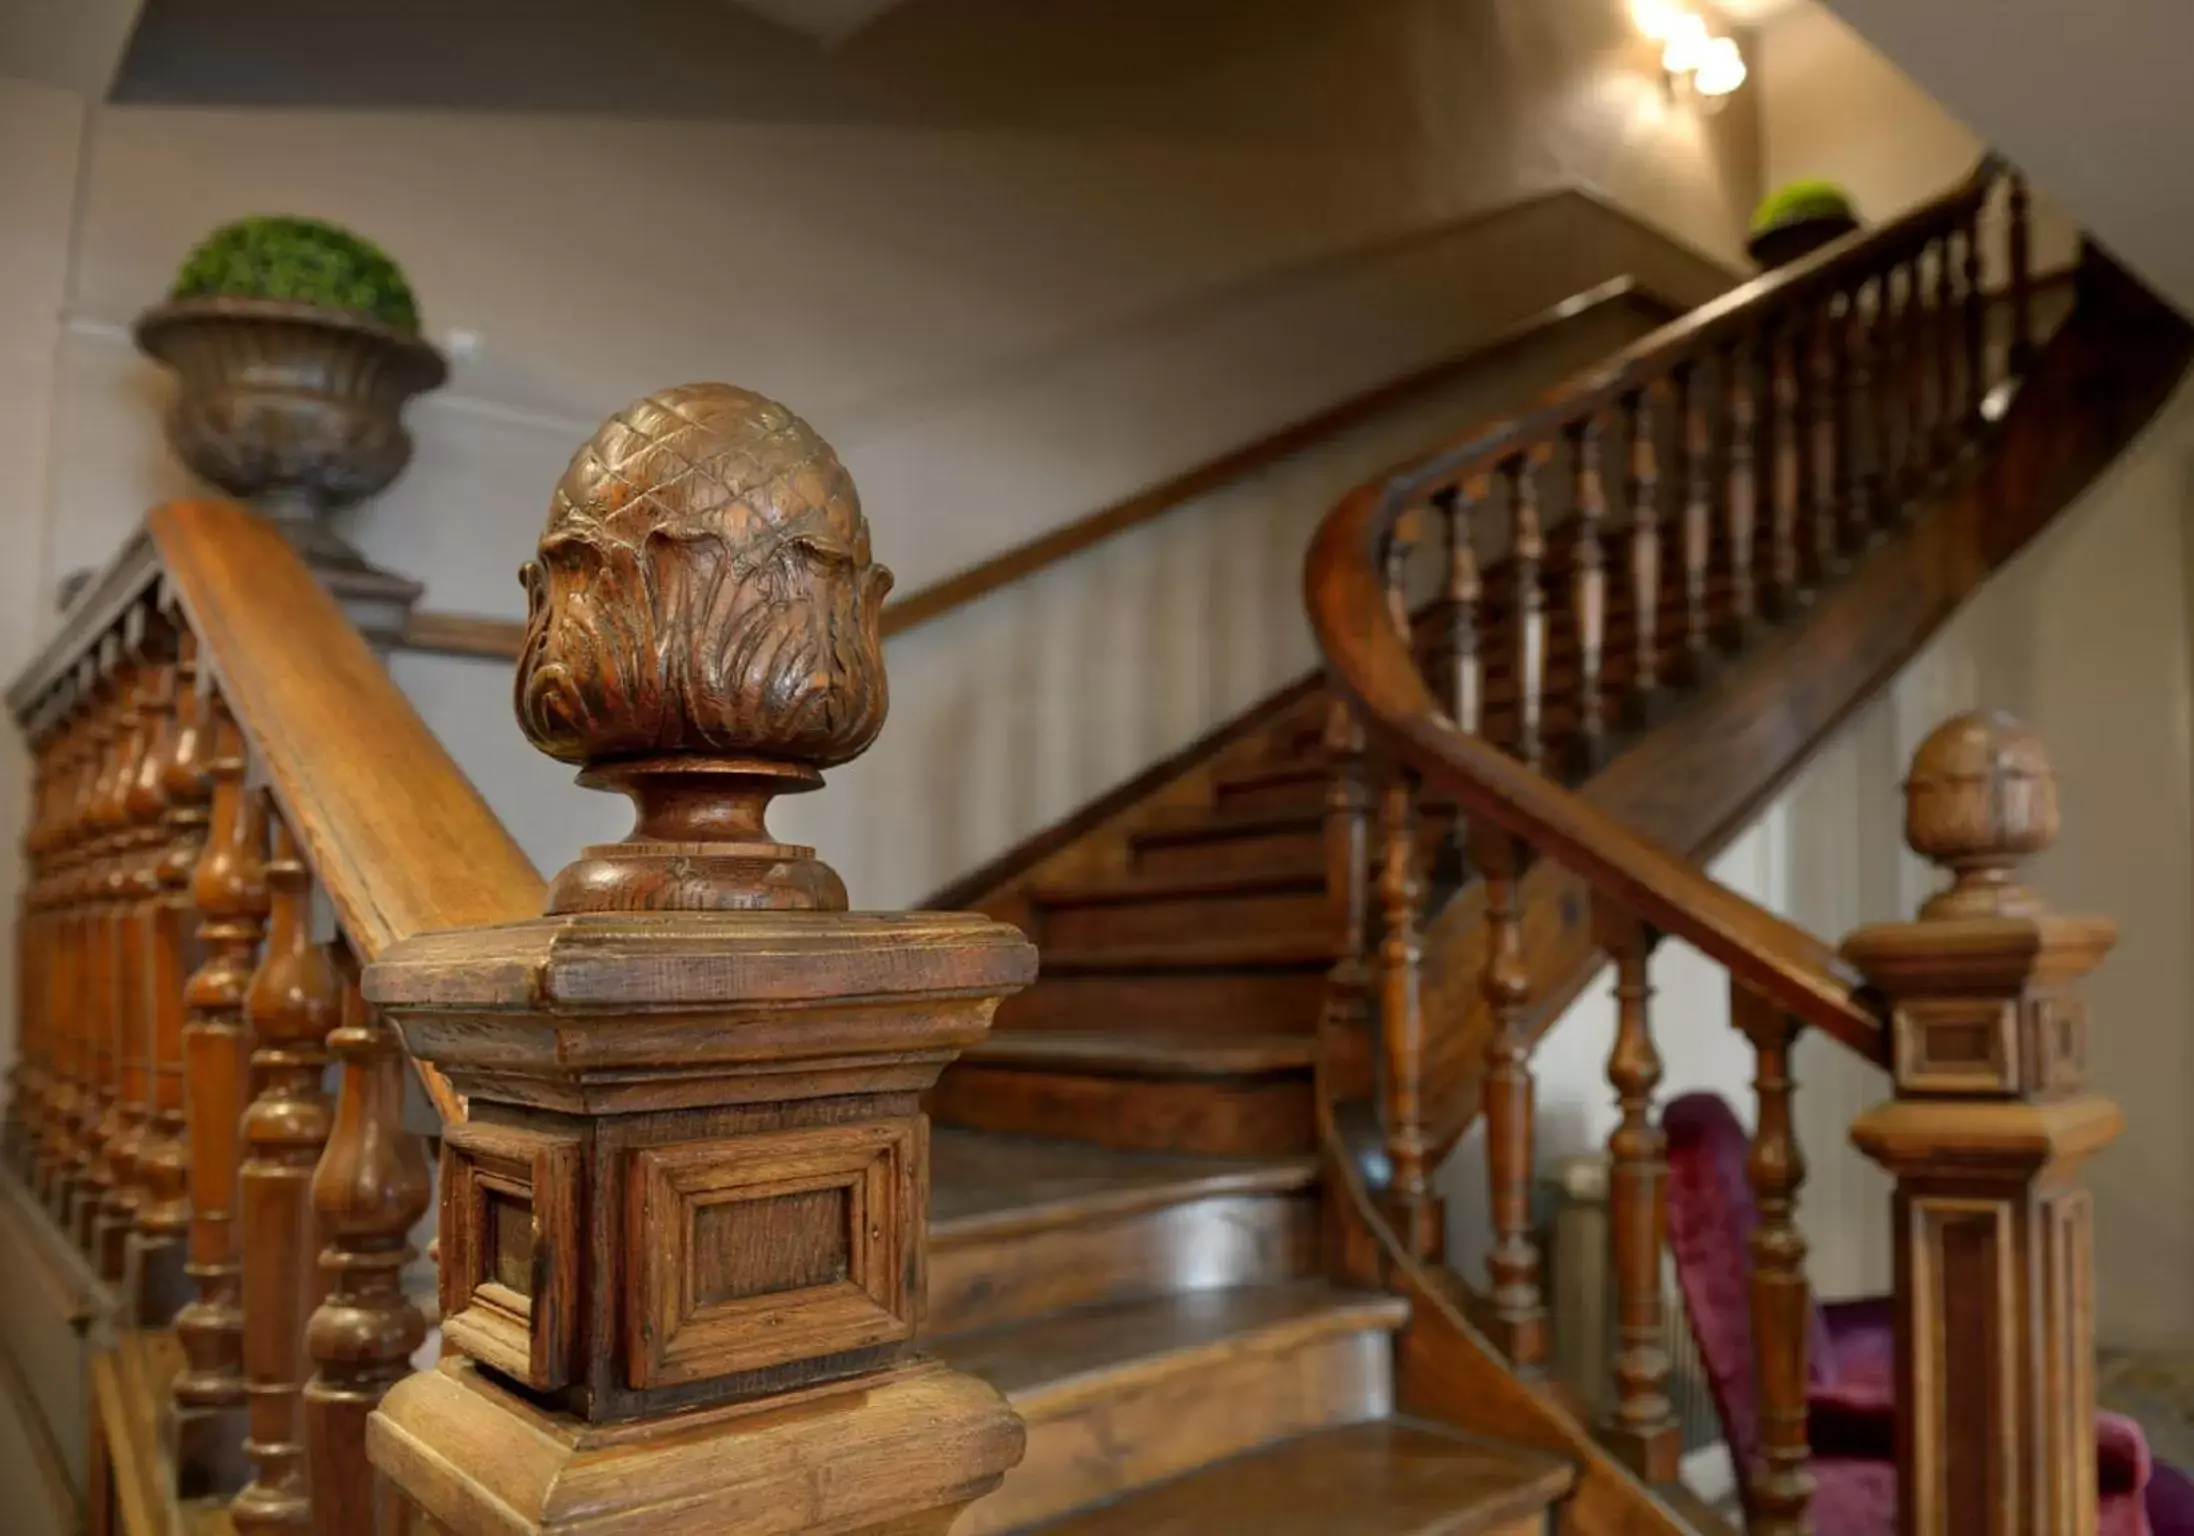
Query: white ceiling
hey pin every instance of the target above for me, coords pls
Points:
(2090, 98)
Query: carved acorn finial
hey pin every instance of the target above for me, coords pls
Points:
(703, 633)
(1980, 800)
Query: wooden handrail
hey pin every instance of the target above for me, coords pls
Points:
(1347, 590)
(395, 832)
(491, 638)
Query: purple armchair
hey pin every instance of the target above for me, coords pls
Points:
(1851, 1400)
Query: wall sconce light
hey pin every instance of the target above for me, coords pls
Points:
(1697, 63)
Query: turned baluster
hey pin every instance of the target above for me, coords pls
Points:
(1588, 587)
(1765, 415)
(1526, 548)
(1854, 392)
(1902, 396)
(1877, 407)
(1946, 334)
(36, 940)
(2020, 243)
(294, 1002)
(1782, 467)
(1742, 491)
(370, 1189)
(1976, 330)
(1418, 1212)
(57, 1116)
(1843, 526)
(1518, 1316)
(104, 962)
(1782, 1300)
(1344, 1055)
(163, 1221)
(1642, 1426)
(1813, 532)
(138, 855)
(1644, 497)
(1691, 476)
(1465, 681)
(230, 890)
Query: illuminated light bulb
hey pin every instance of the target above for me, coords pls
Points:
(1687, 46)
(1657, 19)
(1722, 70)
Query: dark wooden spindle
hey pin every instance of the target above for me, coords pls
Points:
(1527, 547)
(38, 938)
(1692, 452)
(1416, 1210)
(1842, 490)
(1344, 1054)
(1772, 454)
(1742, 490)
(1466, 686)
(1855, 429)
(164, 1219)
(294, 1003)
(1975, 370)
(1518, 1318)
(1878, 404)
(1813, 535)
(369, 1191)
(229, 889)
(1946, 337)
(2019, 242)
(106, 978)
(1642, 1426)
(1644, 498)
(61, 1004)
(1782, 1301)
(1588, 588)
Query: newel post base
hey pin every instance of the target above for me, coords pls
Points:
(684, 1222)
(1994, 1237)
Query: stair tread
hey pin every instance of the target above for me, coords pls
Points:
(1135, 885)
(1237, 951)
(1182, 821)
(1167, 1052)
(985, 1185)
(1057, 1356)
(1392, 1477)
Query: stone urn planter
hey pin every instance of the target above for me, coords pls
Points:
(295, 346)
(1798, 220)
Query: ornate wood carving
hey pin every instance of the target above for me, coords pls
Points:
(1642, 1429)
(103, 980)
(701, 634)
(370, 1189)
(1694, 479)
(1992, 1119)
(293, 1003)
(229, 889)
(1743, 490)
(1466, 683)
(1644, 500)
(1344, 1019)
(695, 1177)
(1526, 548)
(1588, 583)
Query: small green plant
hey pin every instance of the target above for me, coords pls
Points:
(1803, 200)
(306, 261)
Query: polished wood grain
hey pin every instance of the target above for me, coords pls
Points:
(1512, 1264)
(292, 1004)
(1421, 1212)
(106, 978)
(368, 1192)
(229, 889)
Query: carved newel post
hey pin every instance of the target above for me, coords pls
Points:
(683, 1229)
(1992, 1118)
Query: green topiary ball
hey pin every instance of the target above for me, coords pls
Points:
(305, 261)
(1803, 200)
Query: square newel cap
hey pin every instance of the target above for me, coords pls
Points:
(1980, 985)
(608, 1011)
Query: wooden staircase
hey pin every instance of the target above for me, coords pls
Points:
(1166, 1255)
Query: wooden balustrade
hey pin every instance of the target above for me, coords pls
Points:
(1804, 419)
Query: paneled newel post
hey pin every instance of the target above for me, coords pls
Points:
(682, 1231)
(1992, 1118)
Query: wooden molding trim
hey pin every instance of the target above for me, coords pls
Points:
(488, 638)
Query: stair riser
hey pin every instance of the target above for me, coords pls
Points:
(1307, 792)
(1208, 1002)
(1154, 1424)
(1095, 925)
(1224, 852)
(1205, 1244)
(1226, 1116)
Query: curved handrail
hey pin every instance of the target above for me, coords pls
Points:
(1372, 662)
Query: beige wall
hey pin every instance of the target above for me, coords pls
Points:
(1004, 307)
